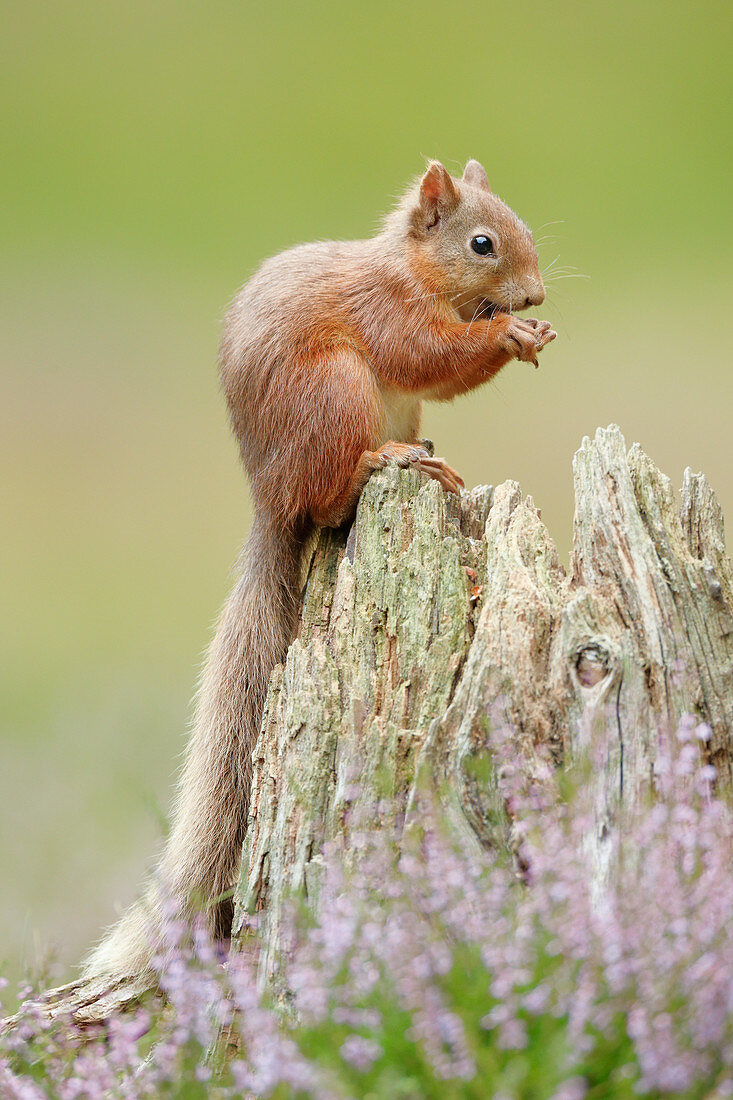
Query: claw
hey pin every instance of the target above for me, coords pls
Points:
(440, 471)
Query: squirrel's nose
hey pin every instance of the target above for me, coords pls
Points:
(536, 295)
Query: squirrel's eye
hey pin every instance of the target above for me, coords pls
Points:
(483, 246)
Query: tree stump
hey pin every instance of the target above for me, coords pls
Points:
(434, 616)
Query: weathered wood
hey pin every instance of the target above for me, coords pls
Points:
(435, 617)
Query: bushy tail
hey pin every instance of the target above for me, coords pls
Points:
(201, 858)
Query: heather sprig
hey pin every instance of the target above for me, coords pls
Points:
(434, 968)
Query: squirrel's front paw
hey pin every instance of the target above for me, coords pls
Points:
(524, 338)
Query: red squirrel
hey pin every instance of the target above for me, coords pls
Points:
(327, 355)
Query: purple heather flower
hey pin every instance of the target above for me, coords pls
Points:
(360, 1053)
(458, 948)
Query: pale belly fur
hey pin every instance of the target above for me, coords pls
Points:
(401, 415)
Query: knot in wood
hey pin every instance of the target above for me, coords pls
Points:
(715, 588)
(593, 663)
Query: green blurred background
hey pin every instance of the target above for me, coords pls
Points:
(153, 154)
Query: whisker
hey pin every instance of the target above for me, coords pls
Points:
(564, 268)
(566, 275)
(423, 297)
(475, 312)
(551, 265)
(556, 307)
(438, 294)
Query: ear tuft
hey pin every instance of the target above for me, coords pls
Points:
(437, 190)
(474, 175)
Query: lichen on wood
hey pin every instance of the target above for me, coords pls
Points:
(434, 617)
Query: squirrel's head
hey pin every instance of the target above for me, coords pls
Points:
(470, 244)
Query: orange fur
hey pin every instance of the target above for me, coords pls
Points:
(326, 356)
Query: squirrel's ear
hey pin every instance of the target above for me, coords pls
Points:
(475, 176)
(438, 193)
